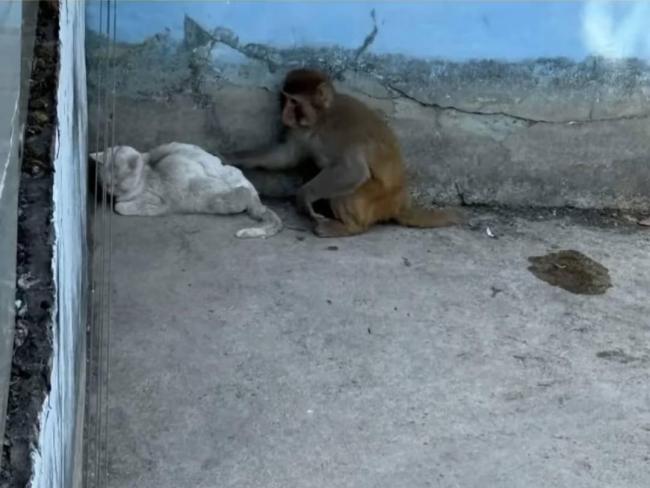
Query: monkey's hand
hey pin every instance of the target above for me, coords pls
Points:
(304, 203)
(240, 159)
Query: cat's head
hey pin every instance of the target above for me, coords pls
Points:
(120, 170)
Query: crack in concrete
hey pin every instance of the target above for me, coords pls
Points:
(367, 42)
(370, 38)
(520, 118)
(227, 37)
(461, 194)
(266, 55)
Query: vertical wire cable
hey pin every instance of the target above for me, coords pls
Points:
(101, 300)
(92, 336)
(109, 301)
(95, 310)
(98, 272)
(102, 257)
(107, 210)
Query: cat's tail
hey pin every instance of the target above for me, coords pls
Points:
(272, 224)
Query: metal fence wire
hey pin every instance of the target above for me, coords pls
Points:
(96, 461)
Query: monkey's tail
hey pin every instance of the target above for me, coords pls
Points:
(272, 224)
(415, 216)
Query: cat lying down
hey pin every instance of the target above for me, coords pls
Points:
(181, 178)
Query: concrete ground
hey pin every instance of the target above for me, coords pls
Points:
(402, 358)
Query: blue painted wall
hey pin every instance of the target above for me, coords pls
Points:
(454, 30)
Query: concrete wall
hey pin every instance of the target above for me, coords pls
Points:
(526, 103)
(16, 42)
(57, 461)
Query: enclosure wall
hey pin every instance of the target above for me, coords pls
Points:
(57, 462)
(517, 103)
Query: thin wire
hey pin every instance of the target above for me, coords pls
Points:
(93, 297)
(101, 314)
(106, 287)
(113, 119)
(97, 255)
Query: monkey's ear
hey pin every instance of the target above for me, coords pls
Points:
(288, 96)
(98, 157)
(325, 94)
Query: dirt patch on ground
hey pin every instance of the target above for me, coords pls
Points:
(30, 375)
(572, 271)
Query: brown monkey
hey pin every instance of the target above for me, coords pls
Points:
(361, 167)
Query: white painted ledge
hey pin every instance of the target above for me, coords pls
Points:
(57, 462)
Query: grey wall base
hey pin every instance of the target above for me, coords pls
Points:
(453, 157)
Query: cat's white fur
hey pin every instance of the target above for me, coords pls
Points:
(181, 178)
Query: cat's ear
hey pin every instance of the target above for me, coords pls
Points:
(98, 157)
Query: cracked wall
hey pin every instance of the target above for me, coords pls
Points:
(552, 131)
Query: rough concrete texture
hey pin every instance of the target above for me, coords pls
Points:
(547, 132)
(401, 358)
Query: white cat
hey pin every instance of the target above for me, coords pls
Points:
(181, 178)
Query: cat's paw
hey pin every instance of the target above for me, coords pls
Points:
(251, 233)
(124, 208)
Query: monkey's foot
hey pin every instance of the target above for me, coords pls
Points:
(334, 228)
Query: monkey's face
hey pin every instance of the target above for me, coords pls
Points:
(298, 112)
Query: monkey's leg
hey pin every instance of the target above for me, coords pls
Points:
(336, 228)
(356, 213)
(352, 216)
(336, 181)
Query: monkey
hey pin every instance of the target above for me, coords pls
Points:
(361, 171)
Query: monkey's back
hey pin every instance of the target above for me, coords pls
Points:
(357, 125)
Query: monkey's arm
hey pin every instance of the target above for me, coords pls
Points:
(274, 184)
(333, 181)
(282, 156)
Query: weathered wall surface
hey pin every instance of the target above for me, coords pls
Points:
(542, 104)
(57, 462)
